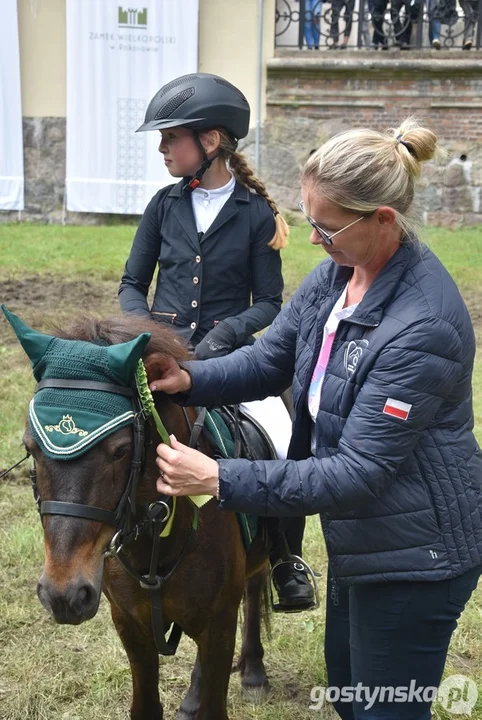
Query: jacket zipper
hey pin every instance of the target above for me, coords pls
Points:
(334, 592)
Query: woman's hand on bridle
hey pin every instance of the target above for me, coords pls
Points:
(185, 471)
(172, 378)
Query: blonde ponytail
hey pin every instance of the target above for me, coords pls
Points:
(415, 144)
(361, 170)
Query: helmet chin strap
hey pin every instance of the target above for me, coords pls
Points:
(195, 181)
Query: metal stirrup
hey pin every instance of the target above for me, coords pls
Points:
(302, 566)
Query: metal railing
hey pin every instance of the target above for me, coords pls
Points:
(379, 24)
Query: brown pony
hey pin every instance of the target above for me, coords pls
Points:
(204, 593)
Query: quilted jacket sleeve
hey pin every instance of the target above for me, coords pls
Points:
(420, 368)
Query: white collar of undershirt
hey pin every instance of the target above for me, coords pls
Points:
(216, 192)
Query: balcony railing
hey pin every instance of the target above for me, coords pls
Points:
(319, 25)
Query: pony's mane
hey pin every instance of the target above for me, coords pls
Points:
(122, 328)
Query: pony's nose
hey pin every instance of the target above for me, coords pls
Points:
(74, 604)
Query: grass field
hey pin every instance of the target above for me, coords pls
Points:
(50, 672)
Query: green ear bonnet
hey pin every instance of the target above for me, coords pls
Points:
(67, 422)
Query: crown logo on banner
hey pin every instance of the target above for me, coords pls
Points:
(132, 18)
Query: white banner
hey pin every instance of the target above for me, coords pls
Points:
(11, 139)
(118, 56)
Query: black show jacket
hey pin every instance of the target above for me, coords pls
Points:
(203, 279)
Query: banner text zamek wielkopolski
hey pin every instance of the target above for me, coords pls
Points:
(118, 56)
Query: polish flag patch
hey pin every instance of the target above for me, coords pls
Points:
(397, 409)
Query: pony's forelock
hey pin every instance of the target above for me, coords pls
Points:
(122, 328)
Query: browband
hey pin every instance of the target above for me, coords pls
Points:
(85, 385)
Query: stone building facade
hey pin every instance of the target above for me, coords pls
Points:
(310, 99)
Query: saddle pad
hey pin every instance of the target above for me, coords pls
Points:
(220, 433)
(248, 524)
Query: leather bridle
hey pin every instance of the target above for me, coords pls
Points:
(154, 519)
(120, 518)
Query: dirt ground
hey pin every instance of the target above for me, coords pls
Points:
(43, 299)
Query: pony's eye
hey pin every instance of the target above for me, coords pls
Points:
(29, 446)
(121, 452)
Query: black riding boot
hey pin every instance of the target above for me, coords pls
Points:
(295, 592)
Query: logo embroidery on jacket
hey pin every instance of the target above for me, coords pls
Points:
(353, 354)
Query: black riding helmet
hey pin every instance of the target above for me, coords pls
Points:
(199, 102)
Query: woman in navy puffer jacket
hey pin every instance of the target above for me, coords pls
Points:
(379, 347)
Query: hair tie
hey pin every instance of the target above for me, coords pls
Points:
(406, 145)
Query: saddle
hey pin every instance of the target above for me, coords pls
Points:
(249, 439)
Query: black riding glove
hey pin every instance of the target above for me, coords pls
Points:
(219, 341)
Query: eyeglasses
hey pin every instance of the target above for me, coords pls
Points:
(325, 236)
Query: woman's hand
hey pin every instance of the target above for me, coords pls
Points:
(172, 378)
(185, 471)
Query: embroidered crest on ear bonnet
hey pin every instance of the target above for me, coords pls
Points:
(67, 421)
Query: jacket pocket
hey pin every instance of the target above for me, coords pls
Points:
(473, 468)
(165, 317)
(432, 502)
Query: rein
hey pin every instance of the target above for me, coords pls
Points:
(156, 516)
(5, 472)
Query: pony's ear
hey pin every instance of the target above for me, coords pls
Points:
(34, 343)
(155, 365)
(123, 358)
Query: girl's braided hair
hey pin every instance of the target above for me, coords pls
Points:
(245, 175)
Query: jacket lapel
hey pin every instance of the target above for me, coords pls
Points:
(229, 210)
(182, 211)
